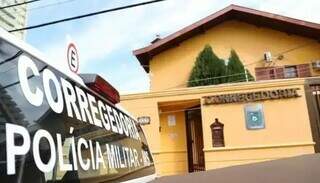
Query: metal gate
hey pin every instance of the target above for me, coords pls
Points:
(313, 101)
(195, 141)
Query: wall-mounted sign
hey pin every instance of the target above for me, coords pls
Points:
(254, 116)
(144, 120)
(73, 58)
(252, 96)
(171, 120)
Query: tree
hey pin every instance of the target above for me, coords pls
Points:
(235, 69)
(207, 70)
(250, 77)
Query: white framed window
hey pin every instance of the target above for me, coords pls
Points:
(290, 72)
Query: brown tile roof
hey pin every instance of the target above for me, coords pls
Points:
(252, 16)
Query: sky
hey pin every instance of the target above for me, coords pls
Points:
(105, 42)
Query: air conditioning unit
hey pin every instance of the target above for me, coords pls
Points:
(267, 57)
(316, 65)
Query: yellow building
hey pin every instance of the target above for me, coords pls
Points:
(274, 117)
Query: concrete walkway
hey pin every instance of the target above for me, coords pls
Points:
(300, 169)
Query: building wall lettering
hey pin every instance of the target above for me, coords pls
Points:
(251, 96)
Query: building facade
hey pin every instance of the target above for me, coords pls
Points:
(208, 127)
(13, 17)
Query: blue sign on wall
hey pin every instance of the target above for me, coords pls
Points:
(254, 116)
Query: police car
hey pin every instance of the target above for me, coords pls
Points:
(57, 126)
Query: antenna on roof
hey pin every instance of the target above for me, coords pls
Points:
(156, 39)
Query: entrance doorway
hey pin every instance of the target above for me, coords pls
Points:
(194, 140)
(313, 101)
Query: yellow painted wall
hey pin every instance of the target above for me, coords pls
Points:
(225, 157)
(287, 131)
(147, 107)
(249, 41)
(173, 158)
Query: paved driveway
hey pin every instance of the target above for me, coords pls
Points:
(300, 169)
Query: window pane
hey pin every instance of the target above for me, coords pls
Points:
(290, 72)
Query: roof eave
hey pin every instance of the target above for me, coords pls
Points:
(146, 53)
